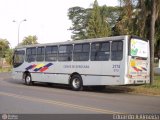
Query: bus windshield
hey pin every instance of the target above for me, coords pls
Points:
(18, 58)
(138, 48)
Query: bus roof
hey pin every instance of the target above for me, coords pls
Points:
(76, 41)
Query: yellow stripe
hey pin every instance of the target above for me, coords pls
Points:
(39, 65)
(139, 67)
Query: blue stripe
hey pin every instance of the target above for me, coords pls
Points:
(48, 65)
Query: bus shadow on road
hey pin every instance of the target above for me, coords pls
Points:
(107, 89)
(113, 89)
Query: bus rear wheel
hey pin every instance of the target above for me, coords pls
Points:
(76, 83)
(28, 80)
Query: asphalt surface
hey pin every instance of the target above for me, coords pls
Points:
(15, 97)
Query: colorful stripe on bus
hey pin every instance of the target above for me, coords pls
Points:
(39, 68)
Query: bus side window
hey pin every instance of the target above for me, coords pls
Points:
(81, 52)
(51, 53)
(100, 51)
(65, 52)
(31, 54)
(117, 50)
(40, 54)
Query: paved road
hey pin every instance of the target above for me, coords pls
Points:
(15, 97)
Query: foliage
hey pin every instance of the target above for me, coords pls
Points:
(132, 17)
(8, 69)
(4, 46)
(136, 17)
(97, 26)
(157, 39)
(123, 25)
(141, 18)
(9, 56)
(83, 21)
(5, 51)
(29, 40)
(112, 15)
(79, 18)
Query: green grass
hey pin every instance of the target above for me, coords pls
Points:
(148, 89)
(156, 63)
(156, 83)
(8, 69)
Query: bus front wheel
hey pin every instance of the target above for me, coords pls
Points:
(76, 83)
(28, 79)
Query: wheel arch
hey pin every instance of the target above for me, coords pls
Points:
(75, 73)
(24, 74)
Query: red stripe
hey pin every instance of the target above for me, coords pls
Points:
(43, 69)
(136, 69)
(33, 66)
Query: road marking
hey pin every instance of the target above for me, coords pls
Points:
(59, 103)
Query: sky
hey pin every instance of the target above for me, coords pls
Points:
(47, 19)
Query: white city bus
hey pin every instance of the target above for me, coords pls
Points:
(119, 60)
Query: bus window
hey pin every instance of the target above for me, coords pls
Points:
(65, 52)
(31, 54)
(117, 50)
(40, 54)
(81, 52)
(51, 53)
(18, 58)
(100, 51)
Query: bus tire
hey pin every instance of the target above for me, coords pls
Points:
(76, 83)
(28, 80)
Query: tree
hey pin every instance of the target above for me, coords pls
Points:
(29, 40)
(125, 23)
(157, 39)
(4, 46)
(105, 27)
(79, 17)
(150, 10)
(140, 20)
(97, 24)
(83, 21)
(9, 56)
(152, 34)
(111, 15)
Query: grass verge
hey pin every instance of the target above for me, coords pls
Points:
(153, 89)
(7, 69)
(147, 89)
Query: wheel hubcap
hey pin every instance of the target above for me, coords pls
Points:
(28, 79)
(76, 83)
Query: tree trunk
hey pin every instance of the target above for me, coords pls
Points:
(152, 33)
